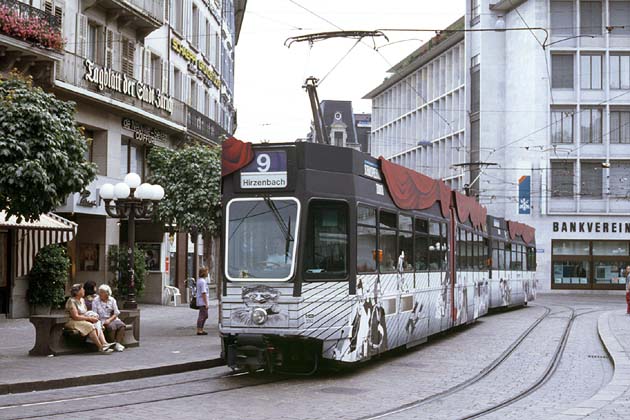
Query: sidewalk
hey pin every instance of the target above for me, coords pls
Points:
(610, 402)
(168, 344)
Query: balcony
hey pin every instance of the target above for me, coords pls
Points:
(115, 89)
(145, 16)
(201, 126)
(30, 39)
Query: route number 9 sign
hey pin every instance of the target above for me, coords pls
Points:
(267, 170)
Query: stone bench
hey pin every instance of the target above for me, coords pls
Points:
(52, 338)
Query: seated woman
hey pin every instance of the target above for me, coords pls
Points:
(81, 321)
(90, 293)
(107, 309)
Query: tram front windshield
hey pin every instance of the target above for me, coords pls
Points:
(261, 238)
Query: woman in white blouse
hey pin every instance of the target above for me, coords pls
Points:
(107, 309)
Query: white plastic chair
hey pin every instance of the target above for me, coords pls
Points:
(173, 296)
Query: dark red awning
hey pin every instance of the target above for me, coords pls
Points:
(469, 209)
(235, 154)
(526, 232)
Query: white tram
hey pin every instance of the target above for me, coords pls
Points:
(332, 256)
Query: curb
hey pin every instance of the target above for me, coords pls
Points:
(618, 385)
(102, 378)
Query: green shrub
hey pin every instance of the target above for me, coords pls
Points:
(117, 264)
(47, 279)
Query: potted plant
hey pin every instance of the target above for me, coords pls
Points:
(47, 279)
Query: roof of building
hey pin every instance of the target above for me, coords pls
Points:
(427, 52)
(330, 108)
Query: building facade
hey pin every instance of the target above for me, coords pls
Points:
(143, 73)
(546, 129)
(343, 127)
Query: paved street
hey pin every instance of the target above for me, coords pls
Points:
(517, 358)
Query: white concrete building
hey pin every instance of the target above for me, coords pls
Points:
(144, 73)
(551, 103)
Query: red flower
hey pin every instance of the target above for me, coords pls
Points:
(30, 29)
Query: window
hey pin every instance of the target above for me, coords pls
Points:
(619, 179)
(562, 184)
(177, 83)
(405, 241)
(475, 11)
(127, 56)
(156, 71)
(620, 127)
(177, 15)
(562, 71)
(531, 259)
(474, 89)
(570, 272)
(570, 247)
(562, 17)
(193, 94)
(562, 123)
(366, 239)
(387, 241)
(619, 71)
(610, 248)
(590, 17)
(195, 26)
(208, 41)
(591, 125)
(591, 179)
(131, 158)
(338, 138)
(421, 228)
(326, 250)
(591, 71)
(93, 39)
(89, 152)
(437, 247)
(619, 17)
(501, 255)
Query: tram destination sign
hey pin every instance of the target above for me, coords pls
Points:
(268, 170)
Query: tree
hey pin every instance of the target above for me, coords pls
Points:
(41, 150)
(118, 261)
(191, 178)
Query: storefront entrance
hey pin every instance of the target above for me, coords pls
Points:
(589, 264)
(5, 291)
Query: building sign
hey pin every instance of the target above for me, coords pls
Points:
(105, 78)
(144, 133)
(591, 227)
(203, 71)
(370, 169)
(524, 195)
(268, 169)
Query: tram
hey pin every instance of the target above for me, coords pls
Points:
(331, 256)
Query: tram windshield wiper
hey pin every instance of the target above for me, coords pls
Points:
(286, 229)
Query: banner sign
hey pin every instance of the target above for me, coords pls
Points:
(267, 170)
(524, 195)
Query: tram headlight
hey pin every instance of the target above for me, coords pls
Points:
(259, 316)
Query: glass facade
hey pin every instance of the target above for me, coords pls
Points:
(589, 264)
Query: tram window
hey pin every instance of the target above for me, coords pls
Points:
(435, 247)
(388, 219)
(501, 255)
(422, 251)
(444, 235)
(406, 246)
(485, 254)
(515, 264)
(422, 226)
(474, 248)
(525, 258)
(387, 243)
(508, 256)
(366, 247)
(405, 223)
(495, 258)
(366, 216)
(326, 250)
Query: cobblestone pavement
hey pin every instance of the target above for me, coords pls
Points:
(384, 384)
(167, 336)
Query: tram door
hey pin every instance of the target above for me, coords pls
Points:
(4, 272)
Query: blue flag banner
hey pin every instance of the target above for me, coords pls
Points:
(524, 195)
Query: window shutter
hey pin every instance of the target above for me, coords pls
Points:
(146, 65)
(82, 27)
(109, 48)
(48, 7)
(165, 72)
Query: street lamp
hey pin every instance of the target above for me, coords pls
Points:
(133, 201)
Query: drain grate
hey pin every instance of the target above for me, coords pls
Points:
(597, 356)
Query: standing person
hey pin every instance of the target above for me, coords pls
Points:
(107, 309)
(628, 289)
(202, 300)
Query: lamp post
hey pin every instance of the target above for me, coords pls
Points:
(133, 201)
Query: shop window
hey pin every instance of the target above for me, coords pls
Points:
(591, 179)
(610, 248)
(590, 17)
(562, 179)
(563, 17)
(131, 158)
(562, 126)
(591, 125)
(366, 239)
(620, 126)
(562, 71)
(610, 272)
(570, 272)
(326, 250)
(571, 248)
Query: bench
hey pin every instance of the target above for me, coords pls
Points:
(52, 338)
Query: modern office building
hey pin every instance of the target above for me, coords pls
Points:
(143, 73)
(529, 106)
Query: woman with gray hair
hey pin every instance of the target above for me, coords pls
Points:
(84, 321)
(107, 309)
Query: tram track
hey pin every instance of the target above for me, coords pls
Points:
(108, 394)
(491, 368)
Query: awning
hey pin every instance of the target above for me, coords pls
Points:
(33, 236)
